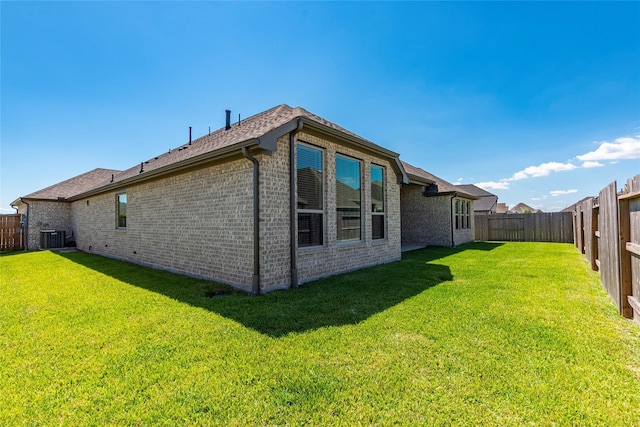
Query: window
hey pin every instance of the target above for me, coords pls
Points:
(121, 208)
(377, 202)
(348, 199)
(309, 196)
(462, 214)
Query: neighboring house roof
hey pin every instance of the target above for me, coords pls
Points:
(522, 208)
(572, 207)
(475, 190)
(73, 186)
(261, 130)
(420, 176)
(487, 202)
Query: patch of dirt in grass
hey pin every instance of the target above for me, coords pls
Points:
(217, 293)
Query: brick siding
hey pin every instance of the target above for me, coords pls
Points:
(200, 222)
(45, 215)
(428, 220)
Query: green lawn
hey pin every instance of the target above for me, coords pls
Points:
(485, 334)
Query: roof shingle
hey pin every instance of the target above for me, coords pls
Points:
(76, 185)
(443, 186)
(249, 129)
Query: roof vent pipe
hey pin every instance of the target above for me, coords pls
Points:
(189, 135)
(228, 125)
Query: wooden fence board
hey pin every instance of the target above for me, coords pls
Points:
(11, 233)
(538, 227)
(589, 231)
(609, 245)
(580, 227)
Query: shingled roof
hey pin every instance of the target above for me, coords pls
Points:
(260, 130)
(420, 176)
(76, 185)
(249, 129)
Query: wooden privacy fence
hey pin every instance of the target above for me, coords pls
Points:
(607, 232)
(11, 233)
(535, 227)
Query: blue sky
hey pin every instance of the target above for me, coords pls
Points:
(539, 102)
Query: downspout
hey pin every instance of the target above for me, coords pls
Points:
(453, 221)
(26, 227)
(255, 283)
(292, 205)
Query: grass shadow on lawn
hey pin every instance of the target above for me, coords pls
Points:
(334, 301)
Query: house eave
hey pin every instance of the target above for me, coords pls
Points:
(452, 193)
(414, 179)
(20, 200)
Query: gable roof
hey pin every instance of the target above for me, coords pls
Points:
(258, 131)
(73, 186)
(486, 200)
(572, 207)
(422, 177)
(522, 207)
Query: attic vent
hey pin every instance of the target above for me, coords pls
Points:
(430, 189)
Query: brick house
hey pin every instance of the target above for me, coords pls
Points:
(279, 199)
(433, 211)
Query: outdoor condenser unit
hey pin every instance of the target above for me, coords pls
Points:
(51, 239)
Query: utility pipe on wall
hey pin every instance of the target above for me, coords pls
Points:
(26, 227)
(255, 283)
(453, 220)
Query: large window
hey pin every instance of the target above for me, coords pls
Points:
(348, 199)
(309, 196)
(377, 202)
(121, 208)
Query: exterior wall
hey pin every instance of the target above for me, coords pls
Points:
(45, 215)
(199, 223)
(332, 257)
(275, 252)
(425, 220)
